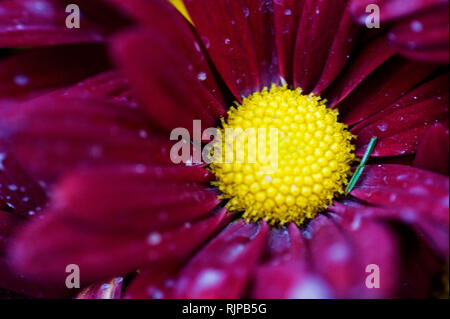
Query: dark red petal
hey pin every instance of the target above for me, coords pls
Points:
(433, 150)
(431, 55)
(136, 198)
(38, 23)
(238, 33)
(48, 68)
(418, 262)
(46, 246)
(162, 18)
(287, 14)
(18, 192)
(392, 9)
(400, 126)
(168, 80)
(154, 282)
(375, 244)
(404, 187)
(348, 252)
(344, 41)
(425, 33)
(432, 233)
(316, 32)
(284, 245)
(371, 56)
(108, 85)
(222, 268)
(285, 272)
(8, 222)
(393, 79)
(13, 280)
(420, 30)
(111, 289)
(54, 133)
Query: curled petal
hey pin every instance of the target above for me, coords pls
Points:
(111, 289)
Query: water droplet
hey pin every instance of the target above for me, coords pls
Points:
(246, 12)
(143, 133)
(2, 158)
(209, 277)
(416, 26)
(154, 239)
(21, 80)
(201, 76)
(382, 127)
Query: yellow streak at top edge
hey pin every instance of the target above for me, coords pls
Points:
(181, 7)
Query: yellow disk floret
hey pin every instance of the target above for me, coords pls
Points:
(307, 166)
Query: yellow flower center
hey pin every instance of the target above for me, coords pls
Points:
(308, 164)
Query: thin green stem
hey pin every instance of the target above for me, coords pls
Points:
(360, 168)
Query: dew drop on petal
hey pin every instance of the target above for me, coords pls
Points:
(21, 80)
(201, 76)
(154, 239)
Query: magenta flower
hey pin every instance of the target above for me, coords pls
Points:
(86, 176)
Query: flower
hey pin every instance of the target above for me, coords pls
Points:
(95, 156)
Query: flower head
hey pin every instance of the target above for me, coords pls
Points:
(86, 176)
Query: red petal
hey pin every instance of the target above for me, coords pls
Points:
(55, 133)
(404, 187)
(168, 79)
(348, 253)
(316, 32)
(392, 9)
(221, 269)
(425, 33)
(238, 34)
(47, 68)
(433, 150)
(136, 198)
(389, 82)
(18, 192)
(287, 14)
(38, 23)
(400, 125)
(344, 41)
(12, 280)
(285, 272)
(111, 289)
(155, 282)
(375, 244)
(374, 54)
(46, 246)
(418, 263)
(434, 234)
(8, 222)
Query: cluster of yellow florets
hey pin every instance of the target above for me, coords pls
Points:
(312, 163)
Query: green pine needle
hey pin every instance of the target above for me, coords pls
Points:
(362, 164)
